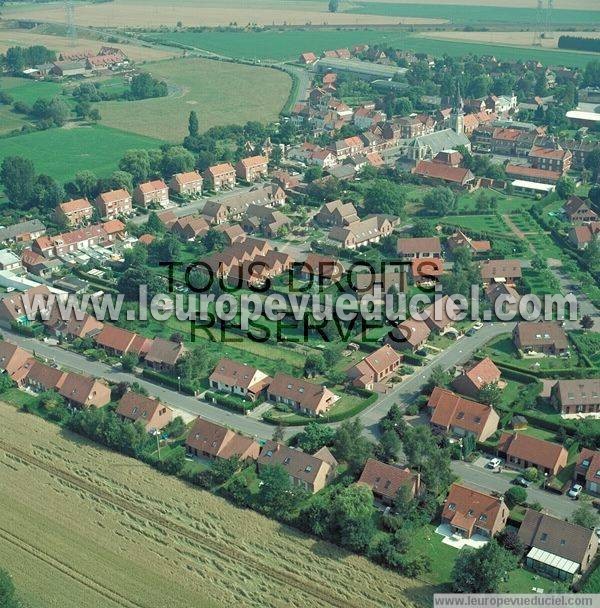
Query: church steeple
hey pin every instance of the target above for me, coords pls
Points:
(458, 113)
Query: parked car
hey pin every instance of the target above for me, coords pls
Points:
(494, 463)
(421, 352)
(478, 325)
(521, 481)
(575, 491)
(471, 332)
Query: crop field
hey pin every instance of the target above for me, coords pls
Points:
(62, 152)
(58, 43)
(21, 89)
(212, 88)
(152, 13)
(478, 223)
(101, 530)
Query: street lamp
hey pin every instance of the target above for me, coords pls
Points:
(179, 383)
(156, 433)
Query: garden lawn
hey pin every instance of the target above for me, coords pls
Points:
(506, 203)
(442, 556)
(221, 93)
(62, 152)
(479, 223)
(524, 581)
(26, 90)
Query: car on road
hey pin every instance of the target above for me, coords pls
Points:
(421, 352)
(477, 326)
(494, 463)
(471, 332)
(521, 481)
(575, 491)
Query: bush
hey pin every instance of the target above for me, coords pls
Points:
(229, 402)
(169, 381)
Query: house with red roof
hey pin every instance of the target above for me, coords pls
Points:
(587, 470)
(74, 212)
(187, 184)
(374, 368)
(210, 440)
(154, 192)
(386, 479)
(522, 451)
(475, 377)
(252, 168)
(112, 204)
(220, 176)
(148, 411)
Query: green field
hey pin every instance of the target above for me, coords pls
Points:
(288, 44)
(23, 89)
(221, 93)
(464, 14)
(60, 153)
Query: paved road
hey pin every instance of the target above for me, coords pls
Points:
(484, 479)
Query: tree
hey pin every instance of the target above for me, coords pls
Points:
(585, 516)
(86, 184)
(565, 187)
(592, 164)
(333, 6)
(177, 160)
(137, 164)
(276, 495)
(279, 433)
(144, 86)
(314, 364)
(490, 394)
(6, 383)
(509, 539)
(384, 196)
(388, 447)
(193, 126)
(594, 194)
(128, 362)
(515, 496)
(438, 377)
(440, 201)
(17, 175)
(313, 173)
(351, 517)
(405, 503)
(314, 437)
(422, 227)
(7, 591)
(121, 180)
(214, 240)
(481, 570)
(350, 446)
(586, 322)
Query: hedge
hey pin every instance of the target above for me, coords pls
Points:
(229, 402)
(169, 381)
(414, 359)
(31, 331)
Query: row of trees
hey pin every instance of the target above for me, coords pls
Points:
(17, 58)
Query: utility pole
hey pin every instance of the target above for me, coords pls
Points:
(70, 20)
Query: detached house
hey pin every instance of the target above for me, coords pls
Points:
(336, 213)
(252, 168)
(556, 548)
(548, 338)
(149, 411)
(155, 192)
(587, 470)
(411, 335)
(220, 176)
(469, 512)
(111, 205)
(440, 172)
(578, 397)
(386, 479)
(374, 368)
(475, 377)
(119, 342)
(12, 357)
(300, 394)
(163, 355)
(75, 212)
(523, 451)
(462, 417)
(419, 247)
(239, 379)
(361, 233)
(500, 271)
(187, 184)
(312, 473)
(579, 211)
(582, 236)
(210, 440)
(16, 307)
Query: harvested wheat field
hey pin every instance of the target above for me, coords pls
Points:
(19, 37)
(151, 13)
(82, 526)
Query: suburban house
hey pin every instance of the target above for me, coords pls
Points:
(361, 233)
(12, 357)
(441, 314)
(409, 335)
(312, 473)
(78, 240)
(302, 395)
(83, 391)
(551, 159)
(500, 271)
(190, 227)
(308, 58)
(22, 232)
(154, 192)
(461, 417)
(547, 337)
(460, 239)
(556, 548)
(118, 341)
(111, 205)
(579, 397)
(153, 414)
(74, 212)
(37, 264)
(386, 479)
(187, 184)
(475, 377)
(239, 379)
(163, 355)
(10, 261)
(523, 451)
(40, 377)
(374, 368)
(14, 307)
(419, 247)
(252, 168)
(579, 211)
(503, 298)
(79, 324)
(336, 213)
(233, 232)
(220, 176)
(210, 440)
(234, 207)
(582, 236)
(469, 512)
(587, 470)
(322, 267)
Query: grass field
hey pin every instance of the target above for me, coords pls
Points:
(212, 88)
(86, 549)
(60, 153)
(288, 44)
